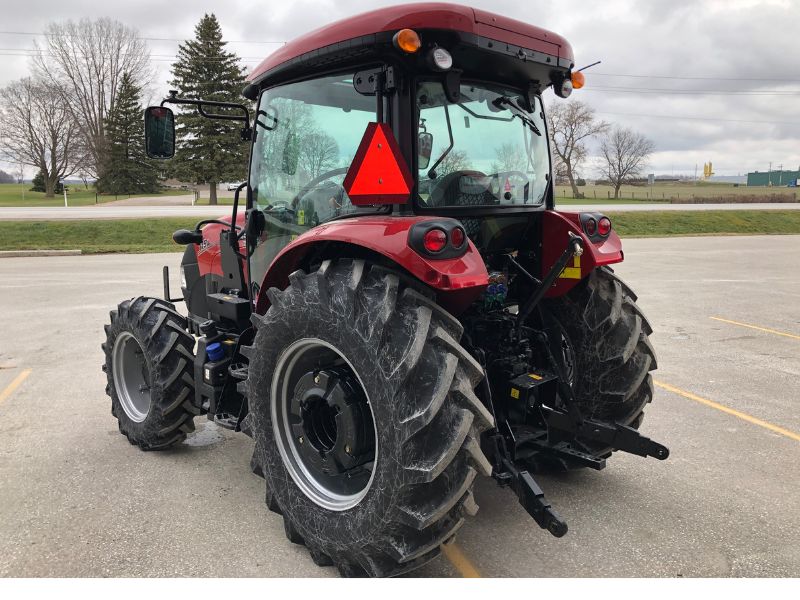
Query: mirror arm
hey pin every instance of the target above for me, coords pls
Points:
(201, 108)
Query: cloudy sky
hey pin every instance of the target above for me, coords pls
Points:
(714, 80)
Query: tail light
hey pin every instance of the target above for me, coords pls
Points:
(597, 227)
(434, 240)
(438, 238)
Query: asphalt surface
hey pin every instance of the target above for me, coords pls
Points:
(77, 500)
(137, 208)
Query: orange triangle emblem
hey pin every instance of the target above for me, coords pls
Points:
(378, 173)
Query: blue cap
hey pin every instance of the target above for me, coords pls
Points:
(215, 351)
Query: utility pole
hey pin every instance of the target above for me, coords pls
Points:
(769, 175)
(780, 174)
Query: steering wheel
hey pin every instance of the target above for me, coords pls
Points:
(441, 187)
(315, 182)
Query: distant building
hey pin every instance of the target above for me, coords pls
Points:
(778, 178)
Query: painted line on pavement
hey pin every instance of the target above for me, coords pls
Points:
(731, 411)
(756, 327)
(14, 385)
(457, 558)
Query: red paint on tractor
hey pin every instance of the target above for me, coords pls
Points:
(208, 261)
(422, 16)
(458, 281)
(555, 226)
(379, 173)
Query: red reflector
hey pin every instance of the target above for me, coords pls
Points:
(604, 226)
(457, 237)
(590, 226)
(434, 240)
(378, 173)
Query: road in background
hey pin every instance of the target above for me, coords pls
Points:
(78, 500)
(129, 209)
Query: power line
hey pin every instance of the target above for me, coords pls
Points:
(624, 90)
(149, 39)
(694, 78)
(684, 118)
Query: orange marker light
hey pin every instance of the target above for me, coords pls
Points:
(407, 40)
(578, 80)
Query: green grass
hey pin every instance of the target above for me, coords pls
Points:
(155, 235)
(92, 237)
(702, 222)
(664, 192)
(15, 194)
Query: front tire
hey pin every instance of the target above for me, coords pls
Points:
(416, 383)
(149, 364)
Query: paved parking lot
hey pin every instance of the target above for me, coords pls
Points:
(77, 500)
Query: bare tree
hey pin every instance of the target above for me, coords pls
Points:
(509, 157)
(86, 60)
(625, 154)
(571, 125)
(36, 129)
(319, 153)
(455, 160)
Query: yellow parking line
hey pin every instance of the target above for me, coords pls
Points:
(789, 335)
(14, 384)
(744, 416)
(456, 557)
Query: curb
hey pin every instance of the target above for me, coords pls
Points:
(27, 253)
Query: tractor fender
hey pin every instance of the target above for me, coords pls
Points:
(456, 281)
(555, 225)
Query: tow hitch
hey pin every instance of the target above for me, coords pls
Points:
(547, 398)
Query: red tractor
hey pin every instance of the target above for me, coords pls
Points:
(398, 309)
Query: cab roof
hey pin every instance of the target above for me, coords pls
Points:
(354, 35)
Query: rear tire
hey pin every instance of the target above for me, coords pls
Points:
(149, 365)
(418, 382)
(607, 336)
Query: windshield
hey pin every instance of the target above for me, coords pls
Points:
(485, 150)
(307, 135)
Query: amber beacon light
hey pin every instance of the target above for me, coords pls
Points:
(407, 40)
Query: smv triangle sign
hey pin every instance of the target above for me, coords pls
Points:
(378, 173)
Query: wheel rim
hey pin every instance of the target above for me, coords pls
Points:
(130, 377)
(323, 424)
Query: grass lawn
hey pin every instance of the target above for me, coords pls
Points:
(155, 235)
(16, 194)
(665, 191)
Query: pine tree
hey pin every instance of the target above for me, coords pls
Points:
(209, 151)
(125, 168)
(40, 186)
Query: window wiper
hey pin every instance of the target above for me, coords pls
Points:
(518, 112)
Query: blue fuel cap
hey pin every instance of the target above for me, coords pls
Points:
(215, 351)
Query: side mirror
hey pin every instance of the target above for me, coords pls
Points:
(159, 132)
(424, 149)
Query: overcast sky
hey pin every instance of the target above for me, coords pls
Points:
(714, 80)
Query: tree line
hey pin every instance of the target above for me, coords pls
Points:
(79, 111)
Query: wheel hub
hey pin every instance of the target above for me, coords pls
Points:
(131, 377)
(331, 421)
(323, 424)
